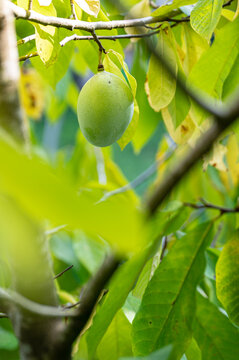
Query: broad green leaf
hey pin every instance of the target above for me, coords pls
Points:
(193, 352)
(47, 37)
(30, 181)
(232, 81)
(27, 253)
(179, 107)
(161, 86)
(91, 7)
(215, 335)
(117, 339)
(194, 46)
(148, 118)
(227, 278)
(165, 9)
(205, 16)
(119, 288)
(8, 340)
(222, 55)
(162, 354)
(168, 305)
(139, 10)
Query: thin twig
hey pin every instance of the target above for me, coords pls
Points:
(73, 11)
(8, 298)
(26, 39)
(30, 5)
(28, 56)
(102, 37)
(95, 37)
(63, 272)
(207, 205)
(142, 177)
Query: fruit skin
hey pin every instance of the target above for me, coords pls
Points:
(105, 108)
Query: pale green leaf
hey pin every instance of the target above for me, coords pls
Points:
(168, 305)
(215, 335)
(117, 339)
(179, 107)
(193, 352)
(221, 54)
(130, 131)
(165, 9)
(194, 46)
(227, 278)
(232, 81)
(161, 86)
(27, 253)
(31, 181)
(91, 7)
(47, 37)
(205, 16)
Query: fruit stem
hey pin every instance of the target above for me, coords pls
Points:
(100, 65)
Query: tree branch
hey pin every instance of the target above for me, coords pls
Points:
(89, 299)
(21, 13)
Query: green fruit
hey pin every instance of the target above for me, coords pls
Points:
(105, 108)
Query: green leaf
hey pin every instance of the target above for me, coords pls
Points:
(227, 278)
(117, 339)
(8, 340)
(168, 304)
(205, 16)
(232, 81)
(161, 86)
(162, 354)
(222, 55)
(215, 335)
(194, 46)
(193, 352)
(91, 7)
(120, 286)
(131, 129)
(31, 181)
(179, 107)
(165, 9)
(47, 39)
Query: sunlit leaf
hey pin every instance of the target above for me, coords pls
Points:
(183, 132)
(91, 7)
(205, 16)
(167, 8)
(160, 86)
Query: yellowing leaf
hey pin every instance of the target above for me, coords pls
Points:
(47, 39)
(183, 132)
(91, 7)
(216, 157)
(194, 46)
(205, 16)
(32, 93)
(130, 131)
(160, 86)
(228, 14)
(232, 176)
